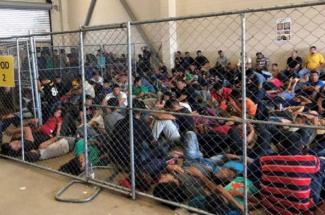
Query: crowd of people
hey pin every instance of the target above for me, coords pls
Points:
(180, 154)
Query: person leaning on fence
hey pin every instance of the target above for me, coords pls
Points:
(290, 181)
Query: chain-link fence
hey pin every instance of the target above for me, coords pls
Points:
(178, 109)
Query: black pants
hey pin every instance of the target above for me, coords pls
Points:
(73, 167)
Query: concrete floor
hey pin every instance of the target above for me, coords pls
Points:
(30, 191)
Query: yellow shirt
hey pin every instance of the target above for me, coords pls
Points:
(314, 61)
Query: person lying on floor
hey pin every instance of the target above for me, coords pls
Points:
(195, 186)
(78, 164)
(39, 138)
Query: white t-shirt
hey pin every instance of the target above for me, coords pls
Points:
(186, 105)
(121, 96)
(100, 81)
(89, 89)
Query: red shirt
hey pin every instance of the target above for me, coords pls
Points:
(276, 82)
(221, 129)
(225, 95)
(51, 124)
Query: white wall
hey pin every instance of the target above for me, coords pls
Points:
(208, 34)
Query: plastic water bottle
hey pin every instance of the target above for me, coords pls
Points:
(281, 107)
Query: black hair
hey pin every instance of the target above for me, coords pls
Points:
(113, 102)
(313, 47)
(216, 205)
(249, 72)
(314, 72)
(6, 150)
(291, 143)
(235, 94)
(115, 86)
(218, 85)
(170, 191)
(138, 104)
(89, 97)
(169, 103)
(168, 93)
(137, 79)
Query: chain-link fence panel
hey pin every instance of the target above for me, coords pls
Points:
(284, 79)
(159, 105)
(107, 72)
(16, 97)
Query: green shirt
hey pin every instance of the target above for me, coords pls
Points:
(139, 90)
(238, 184)
(93, 152)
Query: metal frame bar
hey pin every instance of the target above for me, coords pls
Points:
(20, 102)
(130, 103)
(31, 78)
(239, 120)
(128, 26)
(59, 194)
(35, 75)
(244, 108)
(141, 31)
(90, 12)
(59, 197)
(83, 77)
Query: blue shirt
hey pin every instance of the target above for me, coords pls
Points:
(259, 78)
(319, 84)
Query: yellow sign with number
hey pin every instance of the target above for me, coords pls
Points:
(7, 74)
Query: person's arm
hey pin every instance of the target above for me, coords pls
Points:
(164, 116)
(304, 100)
(182, 98)
(251, 135)
(215, 188)
(82, 161)
(58, 129)
(292, 88)
(320, 210)
(321, 62)
(320, 104)
(234, 105)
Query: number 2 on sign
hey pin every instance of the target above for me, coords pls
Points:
(3, 77)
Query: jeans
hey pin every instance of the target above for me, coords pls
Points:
(193, 154)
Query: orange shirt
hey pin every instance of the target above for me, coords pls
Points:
(251, 107)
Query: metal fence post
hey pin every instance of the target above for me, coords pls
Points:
(244, 114)
(129, 63)
(84, 108)
(20, 102)
(35, 75)
(31, 78)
